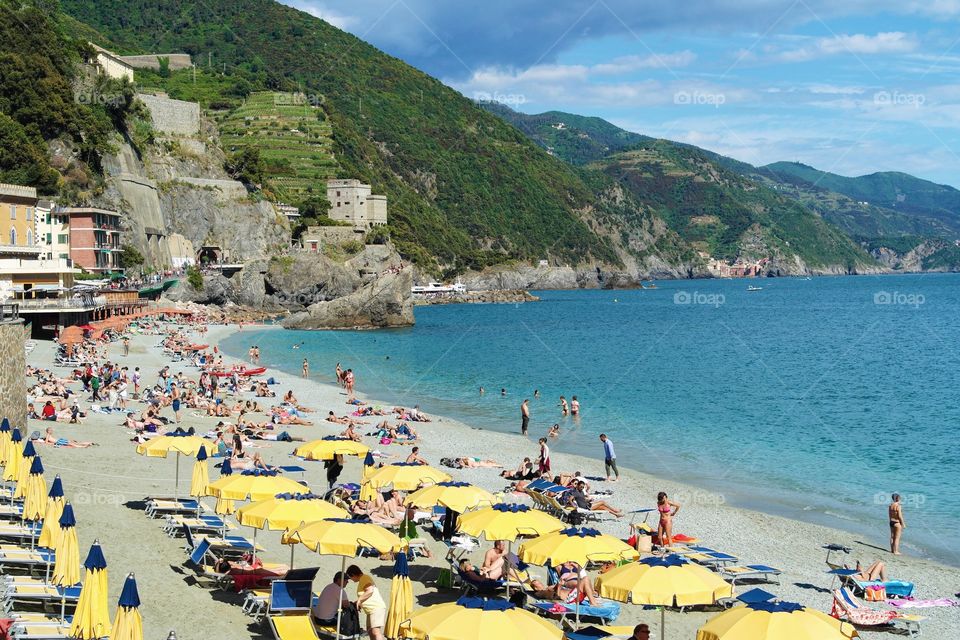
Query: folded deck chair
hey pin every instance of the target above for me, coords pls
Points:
(759, 572)
(34, 631)
(847, 607)
(26, 558)
(11, 511)
(19, 532)
(174, 524)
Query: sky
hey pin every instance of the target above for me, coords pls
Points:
(848, 86)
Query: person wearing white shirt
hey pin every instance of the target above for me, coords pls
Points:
(325, 611)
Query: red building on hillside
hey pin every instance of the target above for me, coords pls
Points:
(94, 238)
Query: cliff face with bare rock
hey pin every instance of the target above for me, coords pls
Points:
(384, 302)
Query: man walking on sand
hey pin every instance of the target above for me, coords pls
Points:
(524, 416)
(126, 345)
(609, 458)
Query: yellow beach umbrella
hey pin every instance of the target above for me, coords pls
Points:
(580, 545)
(286, 511)
(764, 618)
(50, 534)
(4, 440)
(128, 625)
(255, 484)
(472, 618)
(66, 568)
(327, 448)
(23, 470)
(667, 581)
(201, 477)
(224, 507)
(508, 522)
(402, 476)
(35, 498)
(459, 496)
(369, 466)
(343, 537)
(11, 470)
(401, 597)
(92, 617)
(180, 442)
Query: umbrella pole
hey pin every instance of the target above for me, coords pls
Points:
(63, 606)
(663, 623)
(176, 482)
(506, 566)
(254, 546)
(343, 568)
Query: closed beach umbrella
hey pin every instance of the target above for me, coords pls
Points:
(369, 466)
(92, 617)
(330, 446)
(580, 545)
(255, 484)
(669, 581)
(34, 501)
(343, 537)
(179, 442)
(50, 534)
(201, 477)
(472, 618)
(508, 522)
(459, 496)
(23, 471)
(4, 440)
(224, 507)
(66, 569)
(128, 625)
(12, 468)
(401, 597)
(402, 476)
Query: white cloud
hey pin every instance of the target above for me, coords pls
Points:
(320, 10)
(855, 44)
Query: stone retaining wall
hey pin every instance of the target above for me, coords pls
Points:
(13, 366)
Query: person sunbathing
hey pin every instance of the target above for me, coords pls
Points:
(574, 496)
(470, 572)
(524, 471)
(415, 457)
(350, 433)
(876, 571)
(279, 416)
(573, 585)
(49, 438)
(331, 417)
(475, 463)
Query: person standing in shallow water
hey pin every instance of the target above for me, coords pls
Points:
(897, 525)
(306, 369)
(524, 416)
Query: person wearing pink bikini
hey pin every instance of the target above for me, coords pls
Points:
(667, 511)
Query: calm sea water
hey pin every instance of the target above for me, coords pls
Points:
(811, 398)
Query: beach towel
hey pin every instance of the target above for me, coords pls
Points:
(909, 603)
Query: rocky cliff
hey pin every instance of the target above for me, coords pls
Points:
(384, 302)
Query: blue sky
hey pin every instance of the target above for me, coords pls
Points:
(850, 87)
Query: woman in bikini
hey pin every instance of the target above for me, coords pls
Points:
(897, 525)
(667, 511)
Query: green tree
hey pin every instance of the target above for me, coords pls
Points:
(164, 62)
(194, 278)
(247, 166)
(130, 257)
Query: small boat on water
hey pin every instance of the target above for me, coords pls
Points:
(649, 285)
(432, 288)
(753, 288)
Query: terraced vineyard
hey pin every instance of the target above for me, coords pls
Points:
(295, 140)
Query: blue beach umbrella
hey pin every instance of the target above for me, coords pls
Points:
(225, 507)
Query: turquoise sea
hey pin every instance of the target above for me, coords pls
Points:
(813, 399)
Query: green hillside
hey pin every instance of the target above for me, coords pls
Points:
(464, 188)
(294, 139)
(896, 191)
(712, 208)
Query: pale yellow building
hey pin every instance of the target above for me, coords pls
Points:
(351, 201)
(17, 222)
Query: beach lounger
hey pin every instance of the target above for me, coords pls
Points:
(219, 546)
(255, 603)
(848, 577)
(289, 611)
(174, 524)
(11, 511)
(605, 612)
(712, 559)
(157, 508)
(202, 560)
(26, 558)
(36, 631)
(758, 572)
(20, 532)
(297, 626)
(847, 607)
(40, 594)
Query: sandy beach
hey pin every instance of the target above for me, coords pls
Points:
(107, 484)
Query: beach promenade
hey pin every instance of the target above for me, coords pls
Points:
(107, 484)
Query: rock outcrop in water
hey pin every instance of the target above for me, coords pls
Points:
(384, 302)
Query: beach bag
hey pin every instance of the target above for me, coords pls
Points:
(445, 579)
(875, 593)
(385, 440)
(350, 622)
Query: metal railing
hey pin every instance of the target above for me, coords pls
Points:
(58, 304)
(9, 312)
